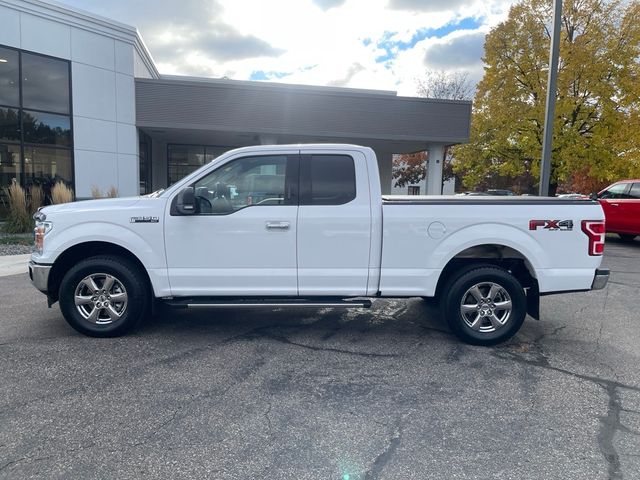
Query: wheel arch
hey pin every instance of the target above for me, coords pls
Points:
(81, 251)
(500, 255)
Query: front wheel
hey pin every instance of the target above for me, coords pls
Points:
(104, 296)
(485, 305)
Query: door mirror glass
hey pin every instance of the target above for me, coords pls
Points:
(186, 202)
(593, 196)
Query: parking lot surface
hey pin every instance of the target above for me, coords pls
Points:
(385, 393)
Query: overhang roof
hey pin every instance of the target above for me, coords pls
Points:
(299, 111)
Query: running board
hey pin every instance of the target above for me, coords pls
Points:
(212, 302)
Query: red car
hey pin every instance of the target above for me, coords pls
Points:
(621, 205)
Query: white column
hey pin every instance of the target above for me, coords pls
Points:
(435, 160)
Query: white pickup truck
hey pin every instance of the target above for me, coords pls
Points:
(306, 225)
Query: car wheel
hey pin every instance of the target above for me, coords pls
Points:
(104, 296)
(484, 305)
(627, 237)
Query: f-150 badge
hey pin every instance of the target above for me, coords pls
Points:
(564, 225)
(144, 220)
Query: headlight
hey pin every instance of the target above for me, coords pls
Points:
(42, 228)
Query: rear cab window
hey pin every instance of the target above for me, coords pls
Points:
(327, 179)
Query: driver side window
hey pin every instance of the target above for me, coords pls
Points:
(245, 182)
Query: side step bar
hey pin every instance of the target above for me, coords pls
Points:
(214, 302)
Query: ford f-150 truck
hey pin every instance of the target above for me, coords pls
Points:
(306, 225)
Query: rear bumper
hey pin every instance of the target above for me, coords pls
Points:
(39, 275)
(600, 279)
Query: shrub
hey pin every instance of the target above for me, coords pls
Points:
(97, 193)
(60, 193)
(36, 198)
(19, 220)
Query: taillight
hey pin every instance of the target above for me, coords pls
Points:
(595, 231)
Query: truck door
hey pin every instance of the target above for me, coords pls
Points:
(630, 210)
(242, 238)
(610, 201)
(334, 224)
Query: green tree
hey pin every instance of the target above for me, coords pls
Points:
(597, 119)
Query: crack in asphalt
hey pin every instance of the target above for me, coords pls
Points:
(152, 434)
(552, 333)
(33, 459)
(632, 285)
(245, 373)
(381, 461)
(609, 424)
(266, 416)
(263, 333)
(628, 410)
(446, 333)
(285, 340)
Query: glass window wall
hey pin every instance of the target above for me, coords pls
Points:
(185, 159)
(36, 137)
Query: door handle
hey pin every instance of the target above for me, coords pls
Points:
(277, 225)
(614, 204)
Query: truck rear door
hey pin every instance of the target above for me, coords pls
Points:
(334, 223)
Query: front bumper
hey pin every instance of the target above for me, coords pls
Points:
(39, 275)
(600, 279)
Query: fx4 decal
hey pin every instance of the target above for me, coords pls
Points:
(564, 225)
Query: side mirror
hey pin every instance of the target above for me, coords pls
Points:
(186, 201)
(593, 196)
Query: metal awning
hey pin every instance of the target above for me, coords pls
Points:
(241, 111)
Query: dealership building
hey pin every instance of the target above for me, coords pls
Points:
(81, 101)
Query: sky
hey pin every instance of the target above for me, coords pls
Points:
(373, 44)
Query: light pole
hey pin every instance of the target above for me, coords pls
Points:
(547, 140)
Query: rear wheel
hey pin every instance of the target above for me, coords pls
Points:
(104, 296)
(484, 305)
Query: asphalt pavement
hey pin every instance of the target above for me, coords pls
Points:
(386, 393)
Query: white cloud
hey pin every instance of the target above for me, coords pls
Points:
(428, 5)
(319, 42)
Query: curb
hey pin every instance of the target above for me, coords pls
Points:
(14, 264)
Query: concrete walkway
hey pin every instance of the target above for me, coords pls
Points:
(14, 264)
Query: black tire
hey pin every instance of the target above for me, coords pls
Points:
(627, 237)
(116, 317)
(490, 330)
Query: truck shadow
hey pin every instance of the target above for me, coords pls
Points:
(398, 321)
(613, 239)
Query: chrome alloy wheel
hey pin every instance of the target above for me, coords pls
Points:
(101, 298)
(486, 307)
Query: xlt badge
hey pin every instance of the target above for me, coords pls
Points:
(144, 220)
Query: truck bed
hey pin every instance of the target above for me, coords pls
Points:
(423, 233)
